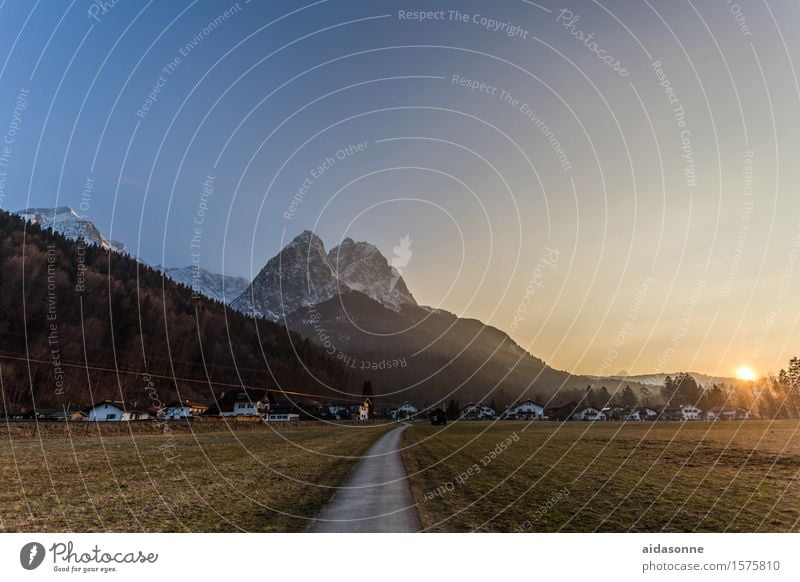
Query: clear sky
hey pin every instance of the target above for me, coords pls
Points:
(614, 183)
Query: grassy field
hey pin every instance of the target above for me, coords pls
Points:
(248, 480)
(647, 477)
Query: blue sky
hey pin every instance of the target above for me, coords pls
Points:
(263, 97)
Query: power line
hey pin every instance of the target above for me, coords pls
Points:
(206, 381)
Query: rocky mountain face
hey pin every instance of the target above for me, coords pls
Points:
(362, 267)
(66, 221)
(221, 288)
(303, 274)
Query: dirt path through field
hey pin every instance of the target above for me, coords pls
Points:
(375, 496)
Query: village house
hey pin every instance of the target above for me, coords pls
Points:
(111, 410)
(682, 412)
(349, 411)
(363, 409)
(406, 410)
(135, 413)
(182, 409)
(339, 411)
(525, 410)
(588, 413)
(240, 402)
(477, 412)
(647, 413)
(438, 417)
(283, 417)
(729, 413)
(106, 410)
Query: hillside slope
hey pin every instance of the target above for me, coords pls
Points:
(431, 355)
(63, 305)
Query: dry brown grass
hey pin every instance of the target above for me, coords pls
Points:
(247, 480)
(726, 476)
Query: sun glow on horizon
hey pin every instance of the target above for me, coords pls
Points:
(746, 373)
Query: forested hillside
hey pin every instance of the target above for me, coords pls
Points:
(79, 324)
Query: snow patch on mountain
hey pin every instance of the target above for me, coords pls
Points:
(304, 274)
(69, 223)
(223, 288)
(361, 267)
(298, 276)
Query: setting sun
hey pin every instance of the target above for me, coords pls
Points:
(745, 373)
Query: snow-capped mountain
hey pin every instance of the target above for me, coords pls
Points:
(362, 267)
(303, 274)
(66, 221)
(222, 288)
(69, 223)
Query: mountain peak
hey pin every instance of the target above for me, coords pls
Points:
(300, 275)
(306, 235)
(362, 267)
(303, 274)
(64, 220)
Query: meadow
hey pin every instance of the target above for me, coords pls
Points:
(738, 476)
(467, 476)
(248, 479)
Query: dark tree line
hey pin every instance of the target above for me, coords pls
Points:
(129, 317)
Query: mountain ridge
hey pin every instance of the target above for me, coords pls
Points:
(64, 220)
(304, 274)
